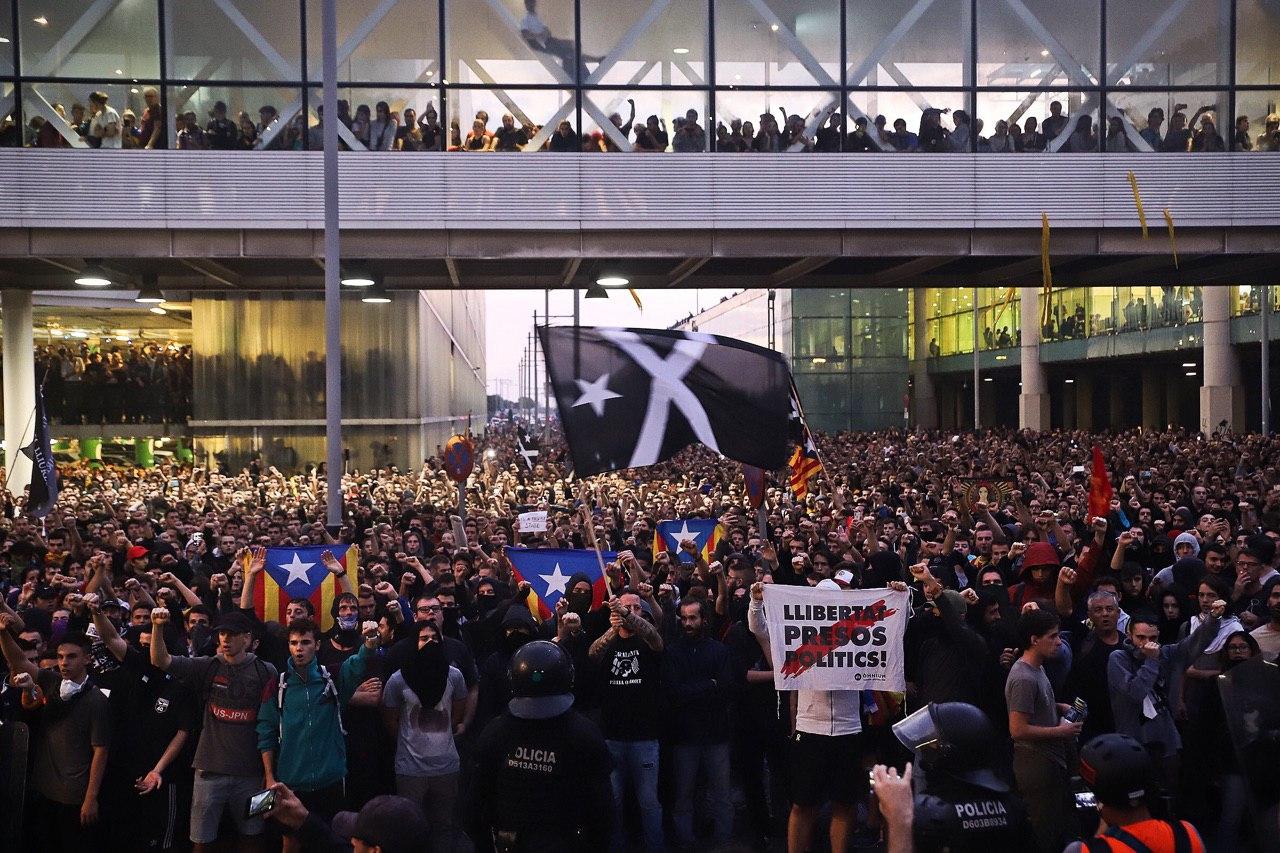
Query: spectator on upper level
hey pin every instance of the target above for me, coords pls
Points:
(859, 139)
(902, 139)
(104, 123)
(1055, 123)
(1269, 139)
(220, 131)
(509, 137)
(1207, 138)
(191, 137)
(961, 137)
(1117, 139)
(1240, 140)
(1082, 138)
(690, 136)
(565, 138)
(1151, 133)
(383, 128)
(1032, 138)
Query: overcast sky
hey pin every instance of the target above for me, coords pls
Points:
(509, 319)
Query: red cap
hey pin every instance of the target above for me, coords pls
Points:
(136, 552)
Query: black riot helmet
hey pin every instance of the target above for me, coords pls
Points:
(955, 738)
(541, 677)
(1117, 768)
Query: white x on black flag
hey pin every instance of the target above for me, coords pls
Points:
(634, 397)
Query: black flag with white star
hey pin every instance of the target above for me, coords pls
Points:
(43, 493)
(635, 397)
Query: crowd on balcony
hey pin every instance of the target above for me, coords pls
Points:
(132, 383)
(382, 128)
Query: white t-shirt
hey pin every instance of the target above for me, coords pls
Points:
(1268, 637)
(424, 743)
(101, 122)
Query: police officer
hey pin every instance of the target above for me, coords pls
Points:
(961, 803)
(1120, 772)
(541, 781)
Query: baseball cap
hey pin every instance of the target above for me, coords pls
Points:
(393, 824)
(136, 552)
(844, 578)
(234, 622)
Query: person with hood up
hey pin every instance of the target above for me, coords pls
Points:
(421, 702)
(1039, 575)
(518, 627)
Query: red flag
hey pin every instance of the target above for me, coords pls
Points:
(1100, 492)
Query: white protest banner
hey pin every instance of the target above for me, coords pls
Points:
(532, 522)
(836, 640)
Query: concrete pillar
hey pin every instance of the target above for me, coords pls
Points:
(1153, 383)
(1033, 402)
(1221, 394)
(924, 397)
(19, 387)
(1115, 404)
(1084, 403)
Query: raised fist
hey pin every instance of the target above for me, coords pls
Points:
(160, 616)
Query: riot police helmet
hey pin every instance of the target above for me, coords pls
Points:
(955, 738)
(541, 677)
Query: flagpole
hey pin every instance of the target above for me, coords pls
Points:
(591, 532)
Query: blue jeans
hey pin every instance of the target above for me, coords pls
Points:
(714, 757)
(636, 763)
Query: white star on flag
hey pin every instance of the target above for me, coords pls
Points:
(297, 570)
(556, 581)
(685, 533)
(594, 394)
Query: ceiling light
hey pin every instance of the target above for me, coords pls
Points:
(1070, 381)
(120, 71)
(79, 333)
(57, 333)
(1188, 364)
(1191, 373)
(4, 40)
(679, 51)
(357, 276)
(987, 379)
(596, 291)
(773, 27)
(133, 91)
(149, 295)
(1002, 357)
(41, 20)
(1044, 53)
(93, 275)
(613, 281)
(156, 309)
(819, 360)
(375, 296)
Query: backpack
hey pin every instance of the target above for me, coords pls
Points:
(1182, 841)
(330, 689)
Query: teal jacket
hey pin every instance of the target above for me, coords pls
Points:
(312, 753)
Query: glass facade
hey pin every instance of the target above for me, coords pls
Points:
(949, 322)
(960, 75)
(1084, 312)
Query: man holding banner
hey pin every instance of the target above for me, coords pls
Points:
(826, 645)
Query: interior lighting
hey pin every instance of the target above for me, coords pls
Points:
(1070, 381)
(596, 291)
(156, 309)
(41, 20)
(375, 296)
(93, 275)
(1188, 364)
(679, 51)
(613, 281)
(357, 276)
(149, 296)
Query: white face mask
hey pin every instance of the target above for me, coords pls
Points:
(69, 688)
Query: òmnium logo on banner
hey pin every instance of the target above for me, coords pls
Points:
(836, 640)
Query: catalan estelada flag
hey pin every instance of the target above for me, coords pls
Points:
(705, 533)
(548, 571)
(299, 573)
(804, 465)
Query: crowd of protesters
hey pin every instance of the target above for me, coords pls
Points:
(384, 128)
(159, 702)
(133, 383)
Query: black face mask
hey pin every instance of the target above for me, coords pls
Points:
(580, 602)
(451, 620)
(515, 640)
(485, 603)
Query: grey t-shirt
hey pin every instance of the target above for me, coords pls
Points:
(424, 743)
(231, 696)
(65, 739)
(1028, 691)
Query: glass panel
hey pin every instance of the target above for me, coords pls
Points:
(235, 39)
(6, 45)
(762, 120)
(379, 42)
(637, 49)
(507, 41)
(930, 53)
(1257, 121)
(1031, 120)
(61, 115)
(475, 116)
(999, 317)
(381, 119)
(650, 120)
(1257, 42)
(931, 116)
(778, 42)
(229, 117)
(1171, 122)
(1038, 42)
(72, 38)
(1147, 48)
